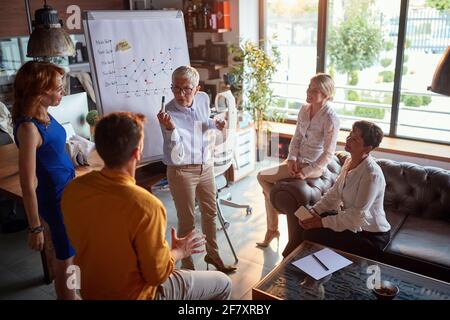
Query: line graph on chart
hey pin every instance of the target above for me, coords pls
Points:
(131, 74)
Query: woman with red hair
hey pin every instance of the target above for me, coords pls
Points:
(42, 155)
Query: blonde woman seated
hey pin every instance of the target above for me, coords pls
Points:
(310, 150)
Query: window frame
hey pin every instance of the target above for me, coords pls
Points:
(321, 58)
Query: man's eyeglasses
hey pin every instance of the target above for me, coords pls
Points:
(186, 91)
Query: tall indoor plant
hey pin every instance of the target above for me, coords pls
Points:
(253, 73)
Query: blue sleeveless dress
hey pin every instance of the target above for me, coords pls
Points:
(54, 171)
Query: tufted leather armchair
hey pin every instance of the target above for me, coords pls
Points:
(417, 205)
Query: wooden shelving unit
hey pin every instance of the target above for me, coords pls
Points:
(208, 65)
(210, 31)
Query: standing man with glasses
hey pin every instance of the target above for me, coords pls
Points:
(188, 135)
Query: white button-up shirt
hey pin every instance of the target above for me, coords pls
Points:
(314, 141)
(192, 141)
(358, 197)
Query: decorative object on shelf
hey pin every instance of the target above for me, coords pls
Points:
(191, 16)
(204, 17)
(254, 71)
(207, 15)
(222, 12)
(48, 38)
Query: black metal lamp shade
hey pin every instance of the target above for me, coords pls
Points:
(49, 39)
(441, 78)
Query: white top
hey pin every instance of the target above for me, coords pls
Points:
(358, 197)
(192, 141)
(314, 141)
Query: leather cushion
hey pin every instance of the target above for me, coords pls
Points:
(423, 239)
(288, 194)
(416, 190)
(395, 219)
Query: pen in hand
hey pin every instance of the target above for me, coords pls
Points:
(320, 262)
(163, 108)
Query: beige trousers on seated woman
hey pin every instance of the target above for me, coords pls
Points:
(267, 179)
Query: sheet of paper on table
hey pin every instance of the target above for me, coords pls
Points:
(332, 260)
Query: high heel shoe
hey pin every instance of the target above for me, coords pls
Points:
(219, 265)
(270, 235)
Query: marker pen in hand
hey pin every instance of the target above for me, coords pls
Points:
(163, 107)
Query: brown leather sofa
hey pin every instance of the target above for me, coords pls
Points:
(417, 205)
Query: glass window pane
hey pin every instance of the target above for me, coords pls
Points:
(360, 56)
(423, 114)
(294, 23)
(10, 62)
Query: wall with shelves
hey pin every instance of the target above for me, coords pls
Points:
(210, 71)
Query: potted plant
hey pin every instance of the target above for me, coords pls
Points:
(252, 76)
(92, 119)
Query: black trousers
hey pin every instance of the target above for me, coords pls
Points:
(367, 244)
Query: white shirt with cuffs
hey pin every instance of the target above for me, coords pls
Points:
(314, 140)
(193, 139)
(358, 197)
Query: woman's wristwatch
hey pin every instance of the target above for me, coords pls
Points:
(36, 229)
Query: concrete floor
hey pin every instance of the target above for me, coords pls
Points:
(21, 269)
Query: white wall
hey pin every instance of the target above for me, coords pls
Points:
(249, 20)
(233, 36)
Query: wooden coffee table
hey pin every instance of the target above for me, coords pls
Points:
(287, 282)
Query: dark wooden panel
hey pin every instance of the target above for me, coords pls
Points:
(14, 20)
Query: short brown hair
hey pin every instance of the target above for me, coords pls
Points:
(371, 133)
(117, 135)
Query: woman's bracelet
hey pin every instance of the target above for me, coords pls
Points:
(36, 229)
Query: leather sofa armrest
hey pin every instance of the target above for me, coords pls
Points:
(289, 194)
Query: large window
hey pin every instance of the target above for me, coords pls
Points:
(292, 24)
(360, 56)
(422, 113)
(360, 52)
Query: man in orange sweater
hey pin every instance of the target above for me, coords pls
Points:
(118, 228)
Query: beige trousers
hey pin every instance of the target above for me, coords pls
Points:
(195, 285)
(267, 179)
(186, 184)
